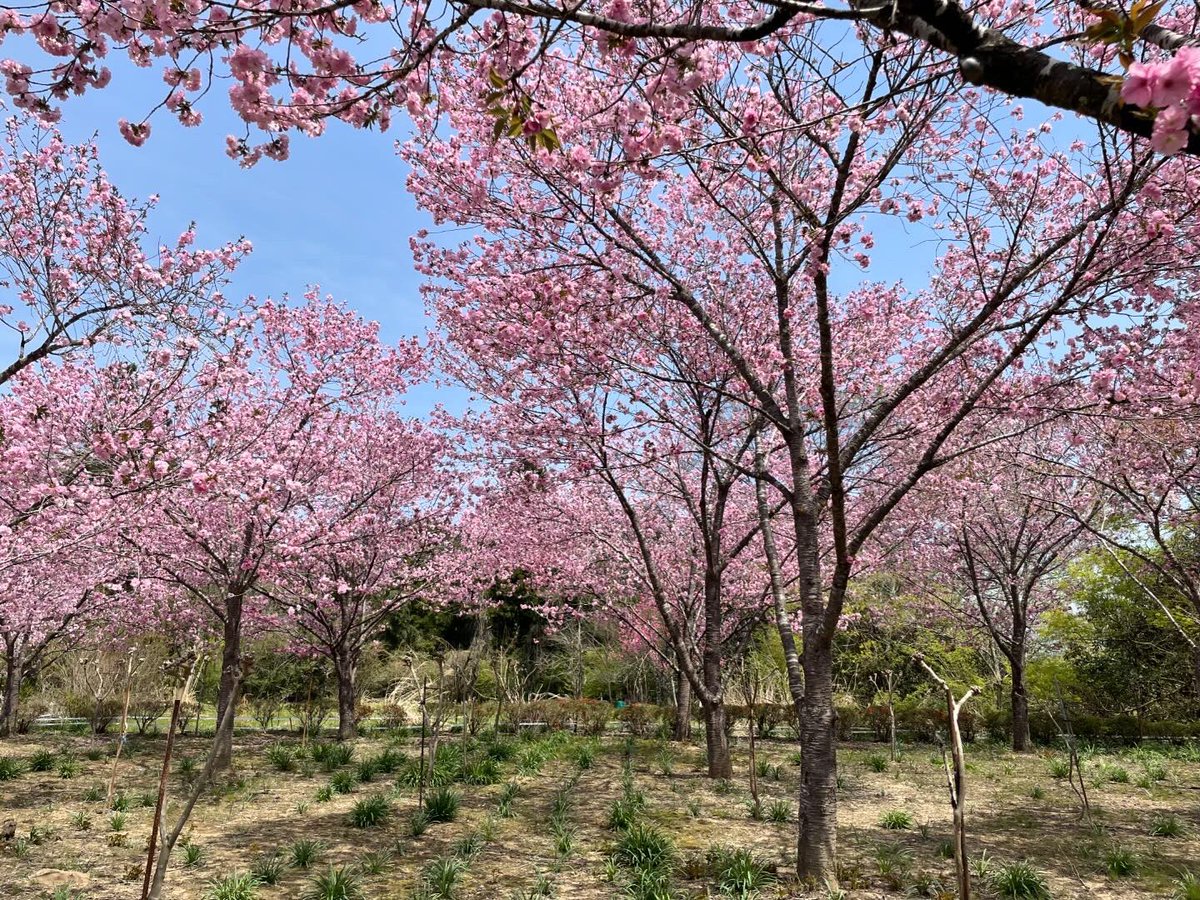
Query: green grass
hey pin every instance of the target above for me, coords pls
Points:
(335, 883)
(1187, 887)
(442, 877)
(1018, 881)
(644, 846)
(419, 823)
(441, 805)
(238, 886)
(268, 869)
(370, 812)
(738, 873)
(282, 758)
(896, 820)
(1166, 825)
(877, 762)
(1120, 862)
(304, 852)
(42, 761)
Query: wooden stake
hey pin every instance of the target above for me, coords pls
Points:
(112, 778)
(956, 780)
(180, 693)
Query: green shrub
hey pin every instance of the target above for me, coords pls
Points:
(336, 883)
(623, 814)
(41, 761)
(738, 873)
(373, 862)
(238, 886)
(192, 854)
(442, 876)
(585, 757)
(779, 811)
(1120, 862)
(896, 820)
(1166, 825)
(268, 869)
(343, 782)
(68, 767)
(441, 805)
(331, 756)
(388, 761)
(643, 846)
(469, 846)
(500, 750)
(419, 823)
(10, 768)
(281, 757)
(482, 771)
(304, 852)
(370, 812)
(1018, 881)
(1187, 887)
(877, 762)
(894, 862)
(1060, 768)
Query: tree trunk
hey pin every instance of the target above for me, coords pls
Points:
(1196, 670)
(347, 673)
(816, 852)
(683, 708)
(171, 838)
(715, 718)
(231, 654)
(12, 688)
(716, 737)
(1021, 740)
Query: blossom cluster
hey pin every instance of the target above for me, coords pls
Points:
(1172, 88)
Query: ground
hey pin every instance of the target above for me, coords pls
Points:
(65, 837)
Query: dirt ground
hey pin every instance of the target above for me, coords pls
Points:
(1017, 810)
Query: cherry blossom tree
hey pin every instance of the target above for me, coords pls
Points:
(648, 459)
(75, 271)
(72, 476)
(369, 537)
(735, 201)
(294, 68)
(255, 435)
(1003, 530)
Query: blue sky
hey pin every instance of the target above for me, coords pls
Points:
(335, 214)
